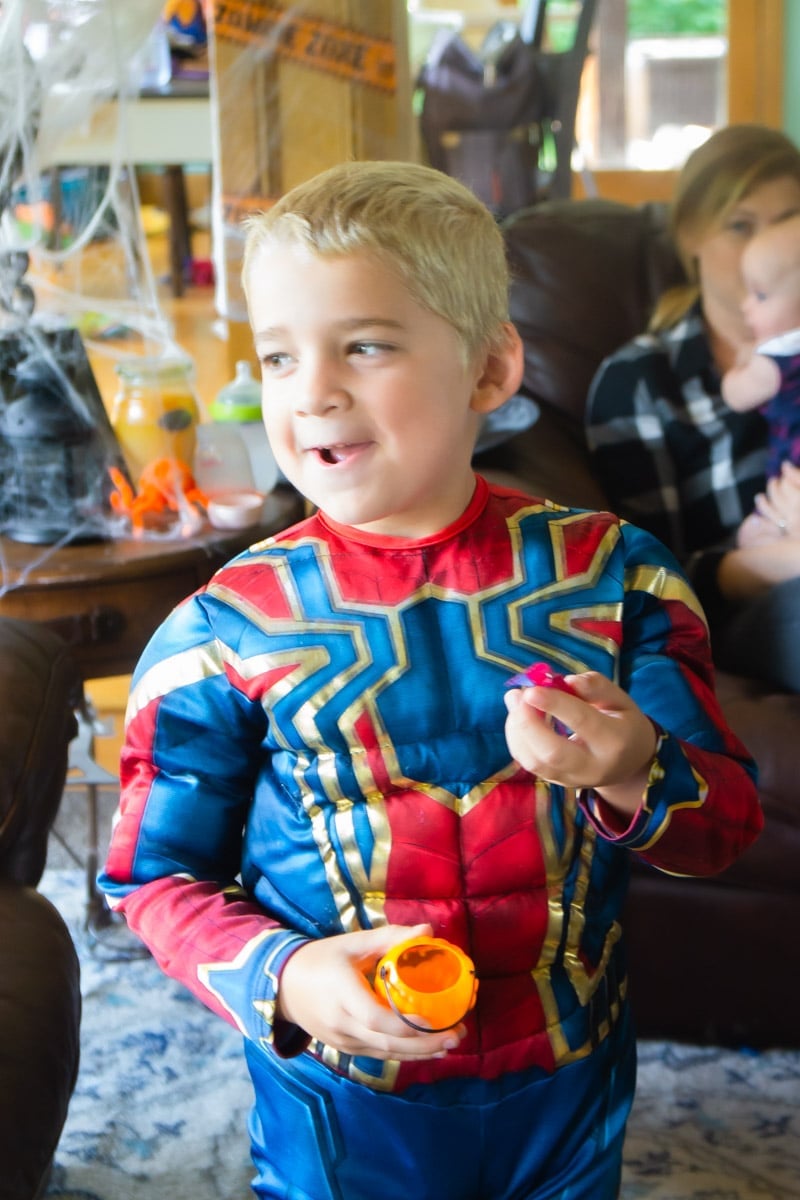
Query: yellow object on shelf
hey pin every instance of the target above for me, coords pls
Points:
(155, 412)
(155, 221)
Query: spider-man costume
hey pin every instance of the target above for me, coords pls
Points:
(324, 722)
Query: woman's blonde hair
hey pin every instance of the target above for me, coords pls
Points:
(432, 231)
(733, 162)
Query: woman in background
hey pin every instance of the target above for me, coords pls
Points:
(672, 456)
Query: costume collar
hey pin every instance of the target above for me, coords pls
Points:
(383, 542)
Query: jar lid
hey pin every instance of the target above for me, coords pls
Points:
(239, 400)
(234, 410)
(143, 369)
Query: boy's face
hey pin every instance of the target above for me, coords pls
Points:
(366, 395)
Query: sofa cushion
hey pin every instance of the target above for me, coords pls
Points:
(562, 257)
(585, 275)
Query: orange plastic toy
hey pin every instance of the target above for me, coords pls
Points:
(165, 485)
(429, 978)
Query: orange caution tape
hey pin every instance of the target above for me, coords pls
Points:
(322, 45)
(236, 208)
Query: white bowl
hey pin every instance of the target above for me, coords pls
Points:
(235, 509)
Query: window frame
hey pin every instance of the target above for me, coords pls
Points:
(754, 94)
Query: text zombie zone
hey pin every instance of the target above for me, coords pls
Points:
(333, 48)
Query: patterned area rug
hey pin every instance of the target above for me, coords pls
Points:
(161, 1103)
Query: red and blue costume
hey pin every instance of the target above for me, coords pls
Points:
(315, 745)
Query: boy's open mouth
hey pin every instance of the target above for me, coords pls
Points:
(331, 455)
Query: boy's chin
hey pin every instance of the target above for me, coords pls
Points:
(358, 516)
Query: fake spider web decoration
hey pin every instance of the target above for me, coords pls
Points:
(73, 263)
(60, 60)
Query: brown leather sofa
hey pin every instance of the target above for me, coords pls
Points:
(40, 1001)
(711, 960)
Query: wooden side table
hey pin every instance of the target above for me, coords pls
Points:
(107, 598)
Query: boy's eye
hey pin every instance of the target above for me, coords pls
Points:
(366, 349)
(274, 361)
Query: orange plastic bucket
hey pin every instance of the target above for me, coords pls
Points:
(428, 978)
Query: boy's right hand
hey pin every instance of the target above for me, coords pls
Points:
(325, 990)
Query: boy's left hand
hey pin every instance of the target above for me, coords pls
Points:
(611, 746)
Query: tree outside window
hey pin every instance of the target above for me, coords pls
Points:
(668, 18)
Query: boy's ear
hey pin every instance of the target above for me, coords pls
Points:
(499, 373)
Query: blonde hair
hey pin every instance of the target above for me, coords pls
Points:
(431, 230)
(716, 177)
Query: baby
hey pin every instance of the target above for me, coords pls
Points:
(769, 375)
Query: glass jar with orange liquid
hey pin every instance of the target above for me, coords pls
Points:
(155, 412)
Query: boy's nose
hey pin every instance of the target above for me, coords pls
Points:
(320, 388)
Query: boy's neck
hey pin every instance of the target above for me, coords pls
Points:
(370, 537)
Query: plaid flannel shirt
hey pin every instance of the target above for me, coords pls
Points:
(672, 457)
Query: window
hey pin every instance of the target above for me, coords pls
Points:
(660, 75)
(666, 72)
(656, 85)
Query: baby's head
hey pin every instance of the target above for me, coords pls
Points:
(430, 230)
(771, 271)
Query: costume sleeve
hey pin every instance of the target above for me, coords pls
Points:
(700, 809)
(626, 439)
(193, 741)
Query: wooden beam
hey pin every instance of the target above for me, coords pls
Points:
(755, 61)
(629, 187)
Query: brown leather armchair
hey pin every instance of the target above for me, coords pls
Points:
(711, 960)
(40, 1001)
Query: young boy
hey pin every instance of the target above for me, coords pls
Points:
(768, 377)
(322, 757)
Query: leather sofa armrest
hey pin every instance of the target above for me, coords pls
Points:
(40, 687)
(40, 1014)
